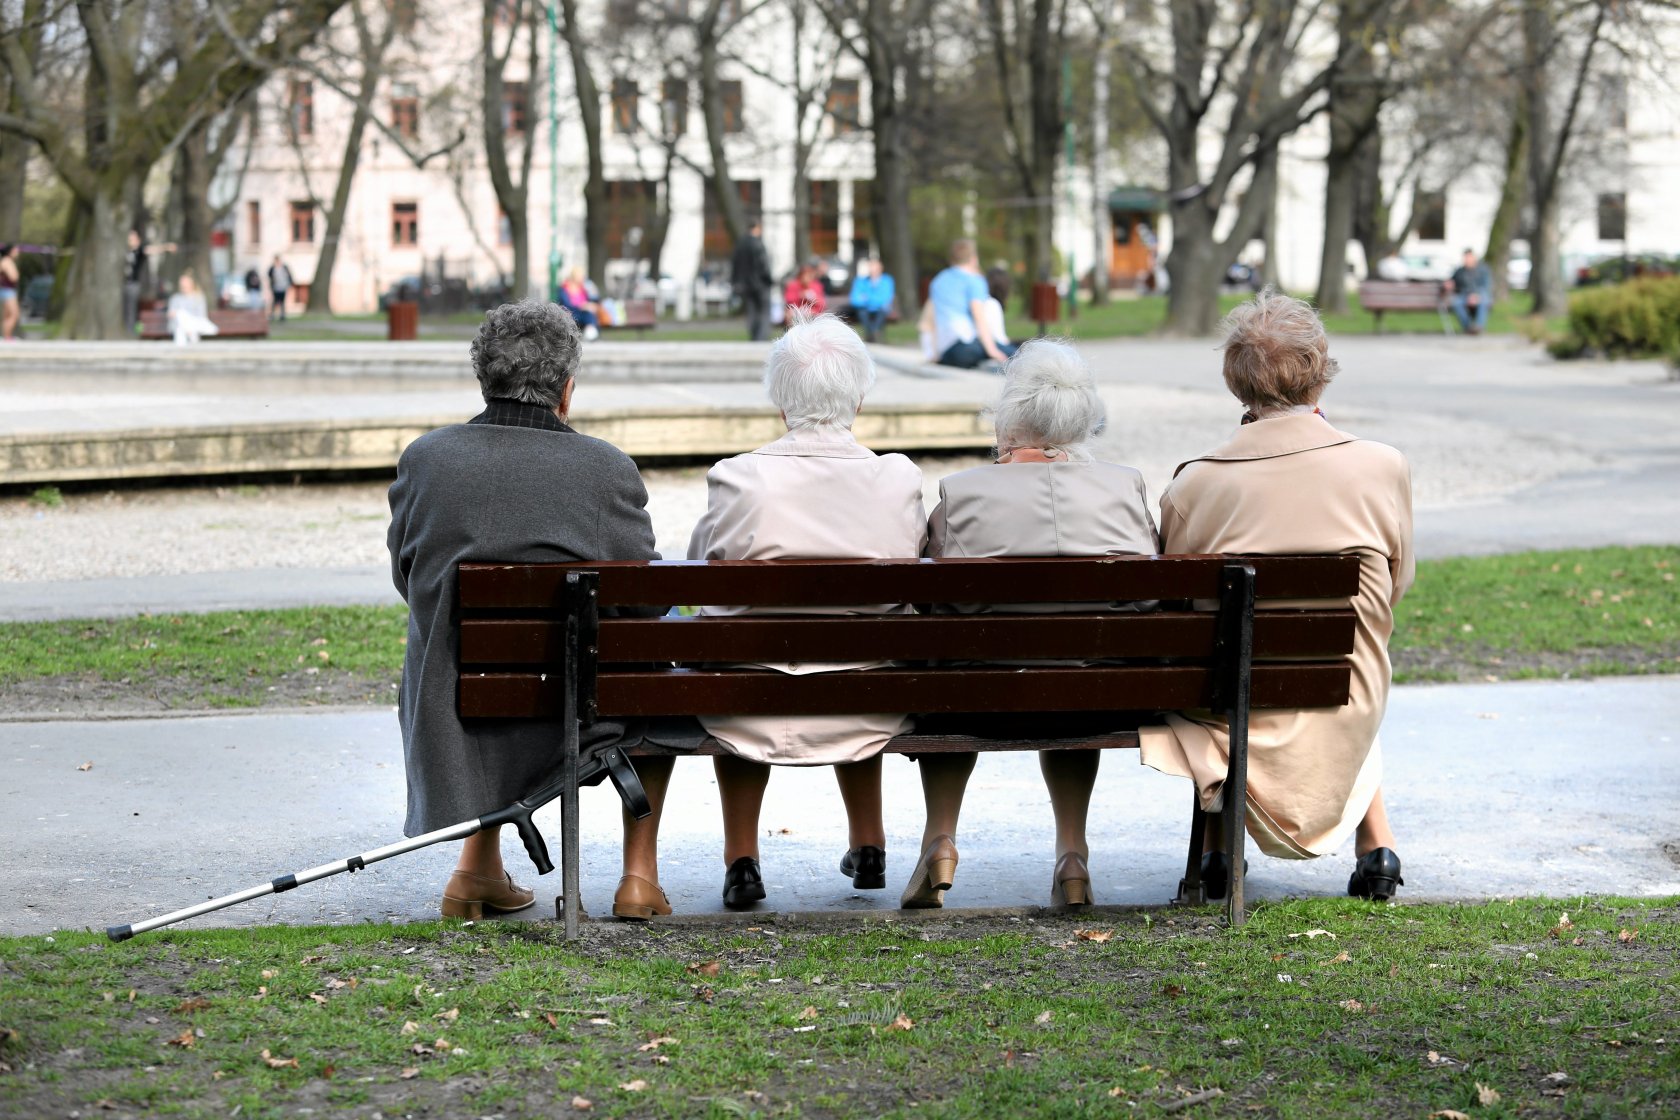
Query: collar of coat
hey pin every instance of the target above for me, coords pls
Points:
(1273, 438)
(517, 414)
(825, 441)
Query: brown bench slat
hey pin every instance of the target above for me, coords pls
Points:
(936, 744)
(1281, 633)
(823, 583)
(231, 322)
(1399, 295)
(758, 692)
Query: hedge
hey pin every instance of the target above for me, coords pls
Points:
(1638, 319)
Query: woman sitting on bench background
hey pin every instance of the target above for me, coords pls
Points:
(1288, 482)
(1045, 496)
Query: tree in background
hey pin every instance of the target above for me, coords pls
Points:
(510, 145)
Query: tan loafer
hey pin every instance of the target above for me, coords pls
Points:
(933, 876)
(472, 896)
(637, 900)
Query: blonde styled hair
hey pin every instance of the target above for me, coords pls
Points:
(1049, 400)
(1276, 352)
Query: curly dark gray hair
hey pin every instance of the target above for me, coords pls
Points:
(526, 352)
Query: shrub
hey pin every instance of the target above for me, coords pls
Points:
(1639, 319)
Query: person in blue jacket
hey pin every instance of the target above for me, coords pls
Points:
(873, 293)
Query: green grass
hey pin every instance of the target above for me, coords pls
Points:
(1535, 614)
(1392, 1011)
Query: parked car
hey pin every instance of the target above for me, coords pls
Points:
(37, 295)
(1615, 270)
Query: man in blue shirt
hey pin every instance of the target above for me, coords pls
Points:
(1471, 288)
(958, 295)
(872, 298)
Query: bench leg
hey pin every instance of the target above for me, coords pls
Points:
(1237, 613)
(1190, 890)
(569, 829)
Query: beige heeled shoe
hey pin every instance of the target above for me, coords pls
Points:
(472, 896)
(933, 876)
(1070, 884)
(637, 900)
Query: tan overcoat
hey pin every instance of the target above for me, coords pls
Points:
(1294, 484)
(814, 494)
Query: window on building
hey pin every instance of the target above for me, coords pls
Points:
(405, 224)
(1431, 224)
(673, 106)
(623, 13)
(303, 223)
(300, 107)
(253, 222)
(825, 217)
(516, 108)
(1612, 217)
(734, 118)
(717, 244)
(842, 105)
(506, 12)
(404, 14)
(632, 205)
(1615, 101)
(624, 98)
(405, 109)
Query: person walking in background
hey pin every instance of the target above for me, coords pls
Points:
(134, 274)
(1471, 293)
(279, 283)
(804, 294)
(873, 293)
(189, 316)
(10, 310)
(958, 295)
(749, 275)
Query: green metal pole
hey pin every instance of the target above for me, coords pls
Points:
(553, 150)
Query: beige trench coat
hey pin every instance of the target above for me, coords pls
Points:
(814, 494)
(1294, 484)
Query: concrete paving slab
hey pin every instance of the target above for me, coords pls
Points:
(1538, 788)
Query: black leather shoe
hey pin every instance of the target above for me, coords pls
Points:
(1216, 875)
(1375, 875)
(866, 867)
(742, 884)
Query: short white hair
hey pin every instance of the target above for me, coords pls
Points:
(1050, 400)
(818, 372)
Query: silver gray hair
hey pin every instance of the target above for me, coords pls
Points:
(527, 352)
(1276, 352)
(1050, 400)
(818, 372)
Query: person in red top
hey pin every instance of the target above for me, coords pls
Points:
(804, 292)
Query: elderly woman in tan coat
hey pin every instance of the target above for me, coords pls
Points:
(1045, 496)
(1287, 481)
(814, 494)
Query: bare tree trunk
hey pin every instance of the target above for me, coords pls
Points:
(190, 185)
(721, 184)
(1101, 79)
(93, 307)
(512, 192)
(1509, 212)
(589, 110)
(14, 172)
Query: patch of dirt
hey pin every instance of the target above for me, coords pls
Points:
(1473, 663)
(89, 696)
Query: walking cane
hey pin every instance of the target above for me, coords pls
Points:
(610, 763)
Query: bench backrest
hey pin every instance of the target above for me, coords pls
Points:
(515, 619)
(232, 322)
(637, 313)
(1398, 294)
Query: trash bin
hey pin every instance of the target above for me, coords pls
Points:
(402, 320)
(1046, 305)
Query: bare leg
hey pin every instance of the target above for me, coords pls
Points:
(641, 837)
(1070, 777)
(741, 786)
(1373, 831)
(481, 854)
(860, 789)
(944, 781)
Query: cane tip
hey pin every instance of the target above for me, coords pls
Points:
(119, 933)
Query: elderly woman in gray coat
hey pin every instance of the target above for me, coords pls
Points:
(513, 483)
(1045, 496)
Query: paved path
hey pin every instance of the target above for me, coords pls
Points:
(1541, 788)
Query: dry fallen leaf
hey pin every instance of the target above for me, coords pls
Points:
(1314, 933)
(659, 1059)
(808, 1013)
(1117, 1092)
(1340, 958)
(600, 1022)
(443, 1045)
(268, 974)
(316, 959)
(1098, 935)
(409, 1027)
(1172, 991)
(193, 1003)
(582, 1104)
(279, 1063)
(635, 1086)
(184, 1040)
(85, 766)
(450, 1016)
(317, 997)
(904, 1022)
(409, 1073)
(1044, 1016)
(1486, 1095)
(1350, 1005)
(1627, 935)
(262, 990)
(1448, 1114)
(654, 1043)
(705, 968)
(551, 1019)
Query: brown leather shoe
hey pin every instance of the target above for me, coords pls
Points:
(472, 896)
(637, 900)
(932, 877)
(1070, 884)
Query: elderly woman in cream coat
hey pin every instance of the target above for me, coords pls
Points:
(1045, 496)
(1287, 481)
(814, 494)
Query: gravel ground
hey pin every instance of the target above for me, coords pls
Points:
(94, 535)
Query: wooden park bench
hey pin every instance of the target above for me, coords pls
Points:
(538, 642)
(231, 322)
(639, 315)
(1378, 296)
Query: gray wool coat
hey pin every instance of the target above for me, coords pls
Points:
(509, 485)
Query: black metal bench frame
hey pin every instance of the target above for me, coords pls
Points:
(534, 642)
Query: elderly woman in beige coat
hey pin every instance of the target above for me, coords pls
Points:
(814, 494)
(1287, 481)
(1045, 496)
